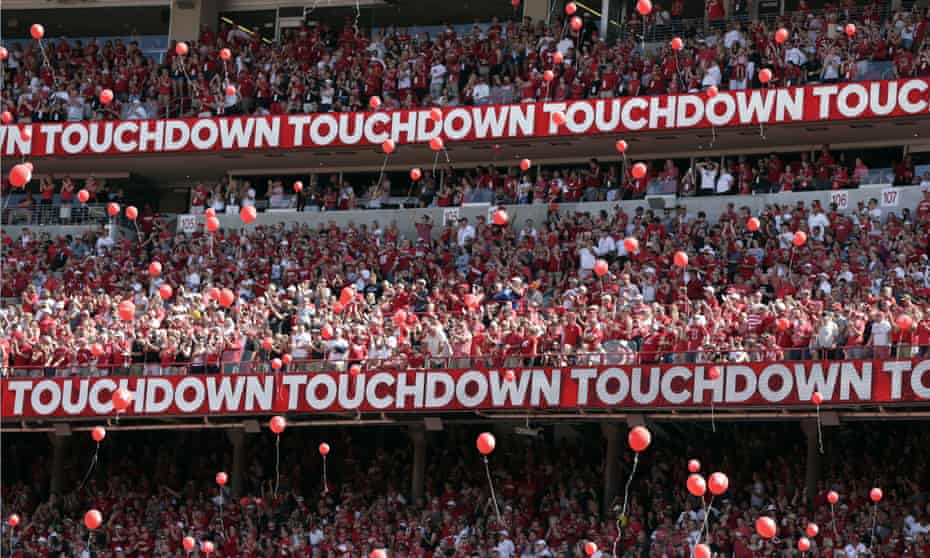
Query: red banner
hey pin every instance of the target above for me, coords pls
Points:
(877, 99)
(636, 388)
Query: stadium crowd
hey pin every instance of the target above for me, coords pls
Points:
(474, 293)
(153, 490)
(321, 68)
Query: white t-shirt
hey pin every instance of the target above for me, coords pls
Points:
(724, 183)
(438, 73)
(818, 220)
(708, 178)
(880, 331)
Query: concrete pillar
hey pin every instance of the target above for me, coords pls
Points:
(605, 19)
(611, 433)
(59, 448)
(418, 437)
(187, 16)
(237, 439)
(538, 10)
(812, 472)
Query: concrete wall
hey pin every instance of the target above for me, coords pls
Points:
(712, 206)
(185, 22)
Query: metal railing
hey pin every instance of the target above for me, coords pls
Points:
(57, 213)
(620, 354)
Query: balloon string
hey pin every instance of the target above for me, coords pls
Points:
(93, 461)
(819, 431)
(833, 521)
(713, 130)
(435, 162)
(626, 499)
(277, 463)
(497, 510)
(47, 63)
(706, 515)
(874, 518)
(713, 420)
(383, 164)
(325, 486)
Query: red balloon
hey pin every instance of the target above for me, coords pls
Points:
(188, 543)
(165, 291)
(718, 484)
(122, 398)
(248, 214)
(436, 144)
(510, 376)
(799, 239)
(106, 96)
(132, 213)
(298, 186)
(277, 424)
(631, 244)
(227, 298)
(83, 196)
(833, 497)
(286, 358)
(904, 321)
(677, 44)
(207, 547)
(576, 23)
(6, 117)
(781, 35)
(37, 31)
(126, 310)
(230, 90)
(326, 332)
(804, 544)
(694, 465)
(500, 217)
(435, 114)
(98, 433)
(639, 438)
(571, 8)
(346, 296)
(644, 7)
(267, 343)
(557, 57)
(812, 529)
(590, 548)
(221, 478)
(875, 495)
(338, 307)
(374, 102)
(621, 146)
(13, 520)
(701, 551)
(525, 164)
(681, 259)
(639, 170)
(210, 212)
(181, 49)
(783, 324)
(600, 267)
(486, 443)
(816, 398)
(20, 175)
(276, 363)
(548, 76)
(400, 317)
(766, 528)
(355, 370)
(324, 449)
(96, 349)
(850, 29)
(753, 224)
(154, 269)
(4, 53)
(213, 224)
(113, 209)
(712, 91)
(388, 146)
(415, 174)
(558, 116)
(765, 75)
(225, 54)
(713, 373)
(697, 486)
(26, 135)
(378, 553)
(214, 294)
(93, 519)
(471, 301)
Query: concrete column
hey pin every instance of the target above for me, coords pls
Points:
(188, 15)
(611, 433)
(812, 472)
(605, 18)
(418, 437)
(536, 9)
(237, 439)
(59, 448)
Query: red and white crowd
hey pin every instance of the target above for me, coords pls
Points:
(153, 491)
(577, 288)
(321, 68)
